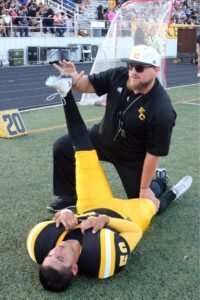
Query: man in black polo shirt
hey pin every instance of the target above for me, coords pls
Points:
(134, 132)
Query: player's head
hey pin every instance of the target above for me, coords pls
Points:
(59, 268)
(55, 280)
(143, 65)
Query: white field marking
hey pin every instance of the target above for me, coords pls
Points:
(180, 86)
(190, 103)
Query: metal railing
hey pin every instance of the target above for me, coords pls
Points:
(72, 27)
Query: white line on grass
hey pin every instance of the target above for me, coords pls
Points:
(180, 86)
(190, 103)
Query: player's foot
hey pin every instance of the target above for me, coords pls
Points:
(62, 84)
(60, 203)
(182, 186)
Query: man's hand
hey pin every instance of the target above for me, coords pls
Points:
(94, 222)
(149, 194)
(68, 68)
(67, 218)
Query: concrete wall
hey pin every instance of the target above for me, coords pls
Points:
(25, 42)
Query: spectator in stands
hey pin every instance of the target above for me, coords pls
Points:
(2, 28)
(107, 23)
(23, 24)
(65, 20)
(59, 24)
(111, 14)
(112, 4)
(7, 21)
(14, 15)
(48, 19)
(1, 7)
(32, 14)
(99, 13)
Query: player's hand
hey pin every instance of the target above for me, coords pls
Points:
(66, 218)
(68, 68)
(94, 222)
(149, 194)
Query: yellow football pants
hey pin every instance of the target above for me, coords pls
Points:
(93, 191)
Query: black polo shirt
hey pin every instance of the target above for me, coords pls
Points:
(146, 121)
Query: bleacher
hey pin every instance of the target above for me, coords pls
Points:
(82, 19)
(79, 21)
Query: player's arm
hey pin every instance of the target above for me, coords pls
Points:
(66, 218)
(150, 164)
(80, 81)
(130, 231)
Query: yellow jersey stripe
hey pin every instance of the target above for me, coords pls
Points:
(35, 231)
(107, 260)
(102, 253)
(61, 237)
(113, 254)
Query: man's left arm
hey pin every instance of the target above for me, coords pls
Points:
(149, 167)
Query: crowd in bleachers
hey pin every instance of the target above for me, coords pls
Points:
(186, 12)
(183, 12)
(19, 17)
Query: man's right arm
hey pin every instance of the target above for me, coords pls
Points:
(80, 81)
(83, 85)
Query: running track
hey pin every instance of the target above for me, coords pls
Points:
(24, 87)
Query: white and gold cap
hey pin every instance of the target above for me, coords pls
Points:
(145, 55)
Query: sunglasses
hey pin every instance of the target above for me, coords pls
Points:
(138, 68)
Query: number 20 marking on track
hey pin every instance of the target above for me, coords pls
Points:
(15, 124)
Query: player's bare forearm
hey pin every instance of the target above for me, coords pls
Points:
(149, 168)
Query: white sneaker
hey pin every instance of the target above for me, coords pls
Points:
(62, 84)
(198, 74)
(182, 186)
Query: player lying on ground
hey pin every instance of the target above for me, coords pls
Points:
(99, 238)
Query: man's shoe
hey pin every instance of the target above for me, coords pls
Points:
(60, 203)
(182, 186)
(62, 84)
(161, 173)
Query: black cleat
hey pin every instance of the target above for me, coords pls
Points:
(60, 203)
(161, 173)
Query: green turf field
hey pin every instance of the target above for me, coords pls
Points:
(165, 265)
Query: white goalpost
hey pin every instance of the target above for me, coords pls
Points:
(137, 22)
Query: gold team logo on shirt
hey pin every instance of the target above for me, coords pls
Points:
(141, 111)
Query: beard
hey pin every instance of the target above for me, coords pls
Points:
(138, 86)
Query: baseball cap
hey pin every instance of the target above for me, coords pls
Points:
(142, 54)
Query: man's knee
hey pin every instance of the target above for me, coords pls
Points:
(63, 146)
